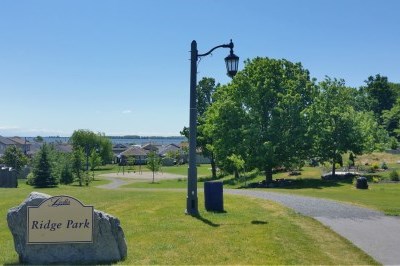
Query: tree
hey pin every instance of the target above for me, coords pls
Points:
(38, 139)
(66, 176)
(78, 164)
(42, 169)
(153, 162)
(13, 157)
(237, 163)
(94, 161)
(391, 120)
(90, 141)
(204, 97)
(379, 95)
(271, 96)
(224, 123)
(336, 127)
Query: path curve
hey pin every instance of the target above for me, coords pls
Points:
(373, 232)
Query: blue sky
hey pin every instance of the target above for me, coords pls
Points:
(122, 67)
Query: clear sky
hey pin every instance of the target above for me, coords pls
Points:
(122, 67)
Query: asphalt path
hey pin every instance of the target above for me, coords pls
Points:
(373, 232)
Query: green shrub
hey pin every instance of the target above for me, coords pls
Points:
(394, 176)
(375, 166)
(376, 179)
(384, 166)
(30, 179)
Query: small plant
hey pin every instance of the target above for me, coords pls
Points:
(376, 179)
(394, 176)
(375, 166)
(384, 166)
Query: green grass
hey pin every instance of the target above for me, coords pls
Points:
(203, 170)
(251, 231)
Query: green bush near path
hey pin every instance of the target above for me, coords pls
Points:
(157, 231)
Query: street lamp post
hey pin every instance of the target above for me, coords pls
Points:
(232, 62)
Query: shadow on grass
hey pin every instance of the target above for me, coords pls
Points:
(256, 222)
(301, 183)
(204, 220)
(235, 181)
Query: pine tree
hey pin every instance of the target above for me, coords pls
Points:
(42, 169)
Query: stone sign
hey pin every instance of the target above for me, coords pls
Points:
(44, 231)
(60, 219)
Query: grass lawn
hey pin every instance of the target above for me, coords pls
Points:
(252, 231)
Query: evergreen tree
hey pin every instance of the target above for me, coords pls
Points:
(42, 170)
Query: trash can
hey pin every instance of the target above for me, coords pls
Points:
(214, 196)
(362, 183)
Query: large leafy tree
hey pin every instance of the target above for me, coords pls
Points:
(271, 96)
(13, 157)
(90, 141)
(42, 168)
(335, 125)
(204, 97)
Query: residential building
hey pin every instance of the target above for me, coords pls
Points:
(138, 153)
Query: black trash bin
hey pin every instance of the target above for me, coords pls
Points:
(362, 183)
(214, 196)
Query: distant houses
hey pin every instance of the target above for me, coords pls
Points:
(30, 148)
(171, 154)
(20, 143)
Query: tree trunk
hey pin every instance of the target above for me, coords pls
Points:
(236, 174)
(333, 166)
(213, 167)
(80, 179)
(268, 174)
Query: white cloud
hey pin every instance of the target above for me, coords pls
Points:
(126, 112)
(8, 127)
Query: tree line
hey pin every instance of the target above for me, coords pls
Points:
(273, 115)
(51, 167)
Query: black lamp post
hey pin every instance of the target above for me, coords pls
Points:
(232, 62)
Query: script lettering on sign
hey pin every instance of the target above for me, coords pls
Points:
(60, 219)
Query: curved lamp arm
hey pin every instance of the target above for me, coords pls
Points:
(230, 45)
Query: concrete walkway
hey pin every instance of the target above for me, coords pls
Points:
(373, 232)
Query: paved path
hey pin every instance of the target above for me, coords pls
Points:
(373, 232)
(378, 235)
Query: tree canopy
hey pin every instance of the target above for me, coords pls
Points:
(90, 141)
(268, 98)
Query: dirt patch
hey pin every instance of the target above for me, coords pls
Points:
(142, 176)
